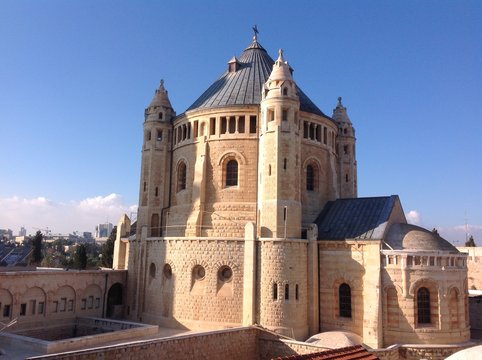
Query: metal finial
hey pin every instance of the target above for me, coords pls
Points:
(256, 32)
(339, 100)
(162, 83)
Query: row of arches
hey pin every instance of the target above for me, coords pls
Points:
(242, 124)
(426, 303)
(230, 171)
(36, 302)
(224, 277)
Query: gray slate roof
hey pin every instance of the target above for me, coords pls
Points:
(359, 218)
(244, 86)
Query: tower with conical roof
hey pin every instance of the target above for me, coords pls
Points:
(156, 162)
(346, 150)
(279, 192)
(153, 191)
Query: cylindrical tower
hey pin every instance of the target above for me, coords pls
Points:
(346, 150)
(281, 254)
(155, 168)
(279, 155)
(153, 192)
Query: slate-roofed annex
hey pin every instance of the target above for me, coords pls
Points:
(244, 86)
(358, 218)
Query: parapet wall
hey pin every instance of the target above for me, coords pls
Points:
(240, 343)
(234, 344)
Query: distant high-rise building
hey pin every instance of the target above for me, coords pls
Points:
(6, 234)
(103, 230)
(22, 232)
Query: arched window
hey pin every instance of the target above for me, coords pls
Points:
(232, 173)
(310, 178)
(275, 291)
(287, 292)
(344, 298)
(181, 176)
(423, 306)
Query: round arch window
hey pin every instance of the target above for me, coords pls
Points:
(225, 274)
(167, 271)
(198, 272)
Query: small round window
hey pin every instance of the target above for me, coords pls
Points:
(167, 271)
(225, 273)
(152, 270)
(198, 272)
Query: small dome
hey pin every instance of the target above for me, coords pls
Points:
(412, 237)
(472, 353)
(335, 339)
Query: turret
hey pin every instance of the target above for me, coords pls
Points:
(346, 150)
(155, 168)
(279, 159)
(282, 289)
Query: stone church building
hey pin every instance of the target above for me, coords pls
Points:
(248, 214)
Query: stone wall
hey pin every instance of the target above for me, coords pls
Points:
(216, 345)
(360, 270)
(474, 265)
(240, 343)
(282, 303)
(417, 352)
(444, 275)
(186, 297)
(207, 206)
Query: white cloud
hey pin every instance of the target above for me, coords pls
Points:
(414, 217)
(60, 217)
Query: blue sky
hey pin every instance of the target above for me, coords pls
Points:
(75, 77)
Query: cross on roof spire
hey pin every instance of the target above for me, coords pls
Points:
(256, 32)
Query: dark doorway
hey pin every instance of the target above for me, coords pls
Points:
(114, 301)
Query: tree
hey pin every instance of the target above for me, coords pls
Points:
(470, 242)
(80, 257)
(108, 249)
(37, 256)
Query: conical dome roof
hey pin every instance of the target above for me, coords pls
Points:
(160, 97)
(339, 113)
(281, 69)
(243, 86)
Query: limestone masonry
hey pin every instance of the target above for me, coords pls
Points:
(248, 214)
